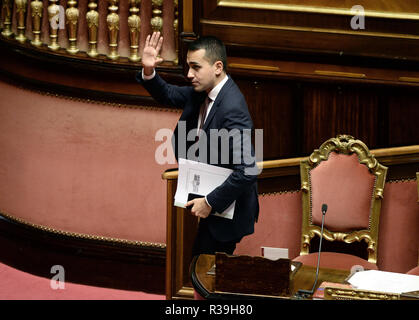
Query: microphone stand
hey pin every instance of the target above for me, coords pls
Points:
(304, 294)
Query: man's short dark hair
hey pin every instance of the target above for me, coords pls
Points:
(214, 49)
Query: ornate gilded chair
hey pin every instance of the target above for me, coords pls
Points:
(343, 174)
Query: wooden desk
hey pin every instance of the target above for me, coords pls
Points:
(303, 279)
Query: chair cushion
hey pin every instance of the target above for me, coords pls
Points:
(334, 260)
(347, 187)
(414, 271)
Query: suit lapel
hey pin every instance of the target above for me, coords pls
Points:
(194, 111)
(217, 102)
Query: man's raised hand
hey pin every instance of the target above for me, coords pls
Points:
(150, 58)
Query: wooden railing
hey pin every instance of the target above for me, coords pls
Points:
(109, 29)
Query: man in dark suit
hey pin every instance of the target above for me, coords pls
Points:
(215, 124)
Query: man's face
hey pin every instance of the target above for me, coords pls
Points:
(202, 74)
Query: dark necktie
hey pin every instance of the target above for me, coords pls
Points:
(202, 114)
(203, 111)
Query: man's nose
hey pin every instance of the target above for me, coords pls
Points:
(190, 74)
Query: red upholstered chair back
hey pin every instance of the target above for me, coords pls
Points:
(346, 186)
(344, 175)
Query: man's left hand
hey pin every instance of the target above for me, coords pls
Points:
(200, 208)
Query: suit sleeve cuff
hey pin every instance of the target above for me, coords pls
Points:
(148, 77)
(206, 200)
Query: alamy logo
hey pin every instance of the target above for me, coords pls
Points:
(358, 20)
(219, 147)
(58, 280)
(57, 17)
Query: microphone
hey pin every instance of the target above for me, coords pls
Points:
(306, 293)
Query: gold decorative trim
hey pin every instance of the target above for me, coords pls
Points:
(184, 293)
(340, 74)
(227, 24)
(409, 79)
(401, 180)
(332, 293)
(347, 145)
(83, 235)
(312, 9)
(111, 104)
(275, 193)
(253, 67)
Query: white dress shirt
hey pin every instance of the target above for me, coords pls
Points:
(213, 95)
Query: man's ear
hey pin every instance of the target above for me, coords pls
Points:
(219, 67)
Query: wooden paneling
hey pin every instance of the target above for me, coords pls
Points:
(179, 255)
(403, 117)
(275, 113)
(332, 110)
(390, 30)
(297, 116)
(308, 76)
(372, 6)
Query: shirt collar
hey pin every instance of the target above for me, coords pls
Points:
(216, 90)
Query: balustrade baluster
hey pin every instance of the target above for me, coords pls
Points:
(113, 27)
(7, 6)
(54, 22)
(92, 17)
(21, 6)
(176, 30)
(156, 20)
(134, 24)
(37, 10)
(72, 19)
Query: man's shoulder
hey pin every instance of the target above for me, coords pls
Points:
(233, 93)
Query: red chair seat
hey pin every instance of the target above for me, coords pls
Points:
(414, 271)
(334, 260)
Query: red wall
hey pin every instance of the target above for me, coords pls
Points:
(82, 167)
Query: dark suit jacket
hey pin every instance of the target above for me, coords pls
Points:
(229, 111)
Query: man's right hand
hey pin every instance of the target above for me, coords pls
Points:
(150, 58)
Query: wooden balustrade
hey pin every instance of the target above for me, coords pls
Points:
(109, 30)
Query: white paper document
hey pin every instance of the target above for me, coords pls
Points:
(200, 178)
(382, 281)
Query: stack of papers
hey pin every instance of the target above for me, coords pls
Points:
(200, 179)
(382, 281)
